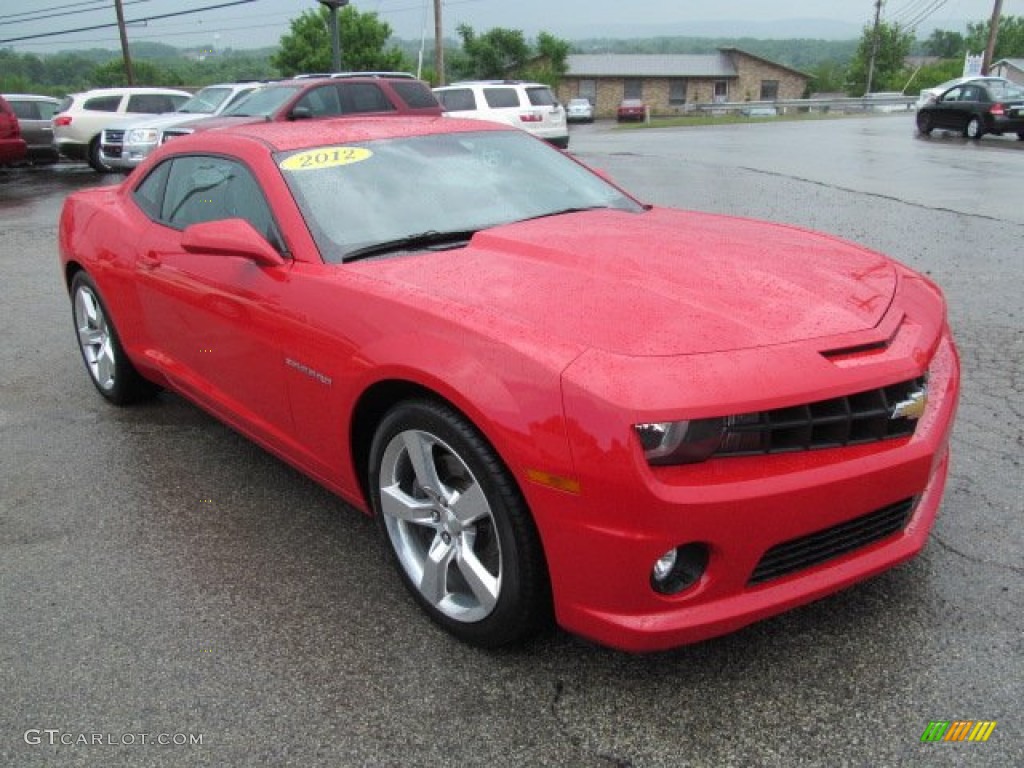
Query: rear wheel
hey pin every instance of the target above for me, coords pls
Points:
(924, 123)
(974, 129)
(109, 368)
(458, 527)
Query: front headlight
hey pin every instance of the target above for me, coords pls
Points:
(141, 136)
(680, 442)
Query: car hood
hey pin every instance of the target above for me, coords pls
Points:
(661, 282)
(200, 123)
(168, 120)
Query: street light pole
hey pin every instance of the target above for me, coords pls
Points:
(334, 5)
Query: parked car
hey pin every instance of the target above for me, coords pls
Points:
(307, 98)
(975, 108)
(579, 111)
(34, 115)
(81, 117)
(124, 147)
(529, 106)
(930, 94)
(12, 147)
(631, 110)
(556, 400)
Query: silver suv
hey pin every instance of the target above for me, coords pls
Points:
(530, 106)
(81, 117)
(123, 148)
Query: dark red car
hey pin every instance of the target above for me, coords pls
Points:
(631, 110)
(13, 148)
(307, 98)
(655, 425)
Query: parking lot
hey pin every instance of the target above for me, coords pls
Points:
(162, 576)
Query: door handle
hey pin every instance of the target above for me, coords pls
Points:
(149, 260)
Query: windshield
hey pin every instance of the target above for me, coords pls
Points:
(363, 194)
(262, 103)
(206, 101)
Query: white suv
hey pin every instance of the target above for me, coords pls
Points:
(530, 106)
(123, 147)
(82, 116)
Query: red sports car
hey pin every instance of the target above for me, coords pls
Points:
(655, 426)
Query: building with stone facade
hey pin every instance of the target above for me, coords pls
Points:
(675, 83)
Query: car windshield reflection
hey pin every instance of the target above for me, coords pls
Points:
(364, 195)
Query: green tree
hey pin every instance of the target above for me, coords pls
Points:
(307, 47)
(944, 44)
(891, 48)
(502, 53)
(496, 54)
(146, 73)
(551, 62)
(828, 77)
(1009, 42)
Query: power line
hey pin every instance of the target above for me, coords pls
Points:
(130, 21)
(102, 6)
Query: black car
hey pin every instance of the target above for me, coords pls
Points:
(975, 108)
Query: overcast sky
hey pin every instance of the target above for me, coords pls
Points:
(262, 22)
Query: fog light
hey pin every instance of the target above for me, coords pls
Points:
(679, 568)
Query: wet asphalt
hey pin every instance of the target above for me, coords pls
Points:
(160, 575)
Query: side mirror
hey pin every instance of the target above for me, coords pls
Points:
(230, 237)
(300, 113)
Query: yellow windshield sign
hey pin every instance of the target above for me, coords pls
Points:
(325, 157)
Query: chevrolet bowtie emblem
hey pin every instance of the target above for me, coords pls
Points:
(912, 408)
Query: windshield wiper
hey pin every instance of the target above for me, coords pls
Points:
(430, 240)
(563, 211)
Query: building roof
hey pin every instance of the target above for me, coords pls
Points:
(650, 65)
(1015, 63)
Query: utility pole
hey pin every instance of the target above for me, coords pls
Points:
(874, 45)
(438, 43)
(335, 34)
(125, 53)
(993, 33)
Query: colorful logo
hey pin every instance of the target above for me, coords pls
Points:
(958, 730)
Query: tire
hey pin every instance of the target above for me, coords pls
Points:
(974, 128)
(925, 124)
(105, 361)
(1020, 135)
(95, 160)
(457, 526)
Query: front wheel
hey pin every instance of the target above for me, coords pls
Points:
(457, 525)
(924, 123)
(974, 129)
(109, 368)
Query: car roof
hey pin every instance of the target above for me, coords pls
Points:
(287, 136)
(463, 83)
(31, 96)
(130, 90)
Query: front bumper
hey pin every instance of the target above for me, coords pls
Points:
(601, 544)
(129, 157)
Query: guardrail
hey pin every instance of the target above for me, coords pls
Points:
(873, 103)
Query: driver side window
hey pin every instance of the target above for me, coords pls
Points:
(198, 188)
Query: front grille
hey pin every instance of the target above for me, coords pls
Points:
(865, 417)
(113, 136)
(817, 548)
